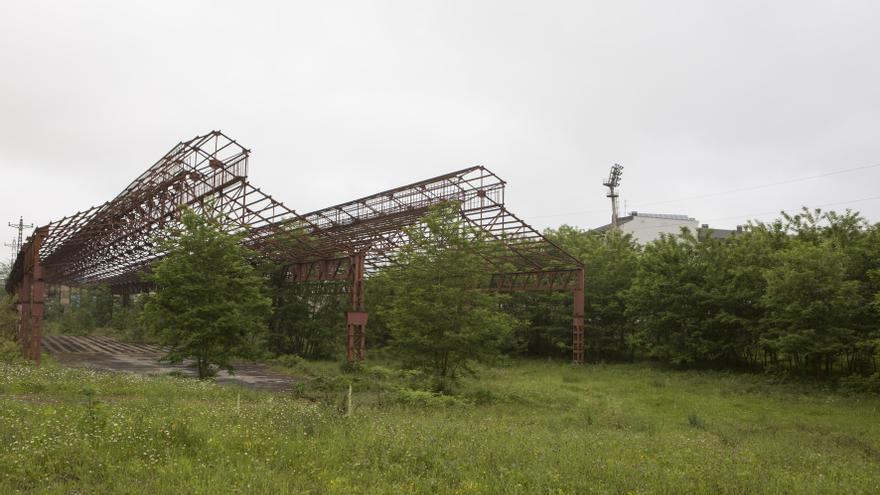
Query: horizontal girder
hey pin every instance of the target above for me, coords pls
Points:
(114, 242)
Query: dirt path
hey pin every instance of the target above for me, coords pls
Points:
(104, 353)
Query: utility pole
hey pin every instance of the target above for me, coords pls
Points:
(17, 242)
(612, 183)
(12, 252)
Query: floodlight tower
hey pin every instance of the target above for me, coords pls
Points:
(612, 183)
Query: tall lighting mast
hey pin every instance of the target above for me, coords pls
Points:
(612, 183)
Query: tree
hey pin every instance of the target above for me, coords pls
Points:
(812, 309)
(9, 349)
(856, 244)
(611, 261)
(733, 283)
(5, 269)
(209, 304)
(440, 317)
(667, 300)
(304, 321)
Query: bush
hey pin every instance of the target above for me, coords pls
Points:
(126, 320)
(10, 352)
(860, 384)
(484, 396)
(696, 421)
(289, 361)
(423, 398)
(380, 372)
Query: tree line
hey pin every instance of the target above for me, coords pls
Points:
(800, 294)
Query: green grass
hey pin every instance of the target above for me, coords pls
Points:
(530, 427)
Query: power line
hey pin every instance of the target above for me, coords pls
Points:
(761, 186)
(750, 216)
(721, 193)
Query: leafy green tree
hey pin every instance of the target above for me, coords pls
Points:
(304, 321)
(667, 300)
(611, 261)
(101, 305)
(440, 317)
(9, 348)
(762, 297)
(543, 325)
(860, 243)
(733, 284)
(694, 301)
(306, 324)
(812, 307)
(849, 235)
(127, 320)
(209, 304)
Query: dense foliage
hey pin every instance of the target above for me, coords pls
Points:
(800, 294)
(10, 351)
(439, 315)
(209, 305)
(527, 427)
(797, 294)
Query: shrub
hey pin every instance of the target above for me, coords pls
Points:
(423, 398)
(289, 361)
(380, 372)
(860, 384)
(696, 421)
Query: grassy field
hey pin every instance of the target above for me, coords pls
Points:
(530, 427)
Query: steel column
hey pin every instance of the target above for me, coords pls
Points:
(31, 298)
(356, 317)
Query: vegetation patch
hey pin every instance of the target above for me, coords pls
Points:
(515, 430)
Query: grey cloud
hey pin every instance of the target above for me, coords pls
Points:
(338, 100)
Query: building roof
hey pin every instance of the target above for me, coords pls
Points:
(629, 218)
(665, 216)
(720, 234)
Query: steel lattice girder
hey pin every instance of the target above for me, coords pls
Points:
(115, 242)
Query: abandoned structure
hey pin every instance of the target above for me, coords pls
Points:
(115, 242)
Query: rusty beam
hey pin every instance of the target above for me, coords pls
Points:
(114, 243)
(356, 317)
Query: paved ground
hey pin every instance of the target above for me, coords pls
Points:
(107, 354)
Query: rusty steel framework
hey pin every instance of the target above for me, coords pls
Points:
(115, 242)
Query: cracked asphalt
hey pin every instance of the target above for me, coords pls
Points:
(104, 353)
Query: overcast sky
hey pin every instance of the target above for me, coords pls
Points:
(337, 100)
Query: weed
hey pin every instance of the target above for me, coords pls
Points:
(514, 429)
(424, 398)
(695, 421)
(291, 361)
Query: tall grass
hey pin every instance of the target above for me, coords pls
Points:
(531, 427)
